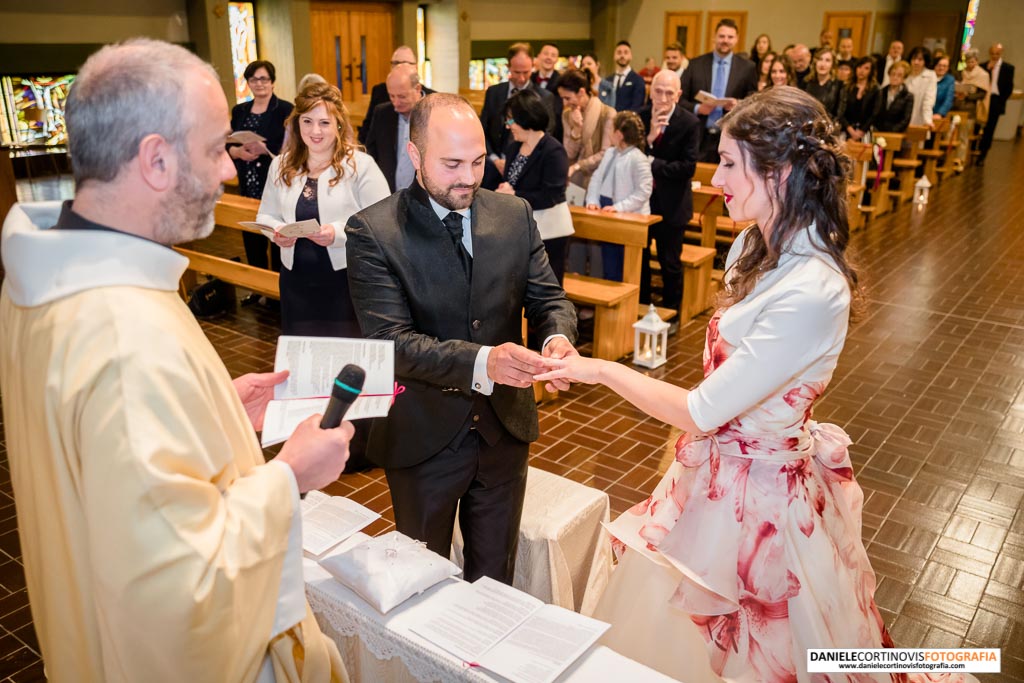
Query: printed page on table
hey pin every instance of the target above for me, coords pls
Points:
(330, 520)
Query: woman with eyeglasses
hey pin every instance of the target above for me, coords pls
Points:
(537, 170)
(265, 115)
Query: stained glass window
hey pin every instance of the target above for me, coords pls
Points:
(972, 16)
(426, 73)
(483, 73)
(33, 109)
(242, 22)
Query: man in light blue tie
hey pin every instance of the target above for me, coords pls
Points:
(725, 76)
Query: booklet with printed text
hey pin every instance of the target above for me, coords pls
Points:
(313, 364)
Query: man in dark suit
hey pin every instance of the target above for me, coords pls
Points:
(492, 116)
(403, 55)
(800, 56)
(724, 74)
(1001, 76)
(388, 139)
(673, 138)
(883, 64)
(546, 76)
(628, 87)
(446, 270)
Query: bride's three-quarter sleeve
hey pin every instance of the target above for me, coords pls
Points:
(796, 328)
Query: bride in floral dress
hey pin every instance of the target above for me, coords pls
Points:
(749, 550)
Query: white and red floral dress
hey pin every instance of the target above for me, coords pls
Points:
(758, 521)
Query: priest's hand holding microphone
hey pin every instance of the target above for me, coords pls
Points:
(318, 448)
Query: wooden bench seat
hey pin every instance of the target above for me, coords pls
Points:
(710, 213)
(698, 263)
(256, 279)
(615, 305)
(860, 154)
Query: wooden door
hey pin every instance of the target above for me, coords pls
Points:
(933, 30)
(352, 44)
(849, 25)
(888, 27)
(683, 28)
(741, 21)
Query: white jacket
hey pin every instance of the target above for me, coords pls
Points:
(630, 175)
(923, 86)
(353, 193)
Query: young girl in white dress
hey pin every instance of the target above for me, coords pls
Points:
(749, 551)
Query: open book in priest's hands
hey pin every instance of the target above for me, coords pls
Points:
(305, 228)
(505, 630)
(313, 363)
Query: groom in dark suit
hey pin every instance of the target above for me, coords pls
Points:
(446, 269)
(724, 74)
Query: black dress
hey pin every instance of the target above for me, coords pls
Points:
(894, 113)
(827, 94)
(858, 112)
(252, 175)
(315, 300)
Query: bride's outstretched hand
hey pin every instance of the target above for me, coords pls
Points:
(573, 369)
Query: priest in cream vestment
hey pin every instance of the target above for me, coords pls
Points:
(158, 545)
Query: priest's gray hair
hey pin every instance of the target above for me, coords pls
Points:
(123, 93)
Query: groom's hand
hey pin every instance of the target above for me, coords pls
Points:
(559, 347)
(513, 365)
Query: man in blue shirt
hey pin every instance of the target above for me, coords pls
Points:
(725, 76)
(627, 86)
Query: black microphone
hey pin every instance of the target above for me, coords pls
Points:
(347, 386)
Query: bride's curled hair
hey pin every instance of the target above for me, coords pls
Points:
(785, 129)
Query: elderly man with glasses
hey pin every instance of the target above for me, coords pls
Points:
(403, 55)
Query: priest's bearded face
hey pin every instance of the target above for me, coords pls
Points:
(203, 164)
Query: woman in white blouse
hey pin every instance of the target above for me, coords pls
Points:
(923, 85)
(749, 550)
(319, 175)
(622, 183)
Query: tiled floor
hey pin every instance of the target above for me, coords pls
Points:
(930, 388)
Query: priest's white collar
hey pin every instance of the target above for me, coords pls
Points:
(43, 264)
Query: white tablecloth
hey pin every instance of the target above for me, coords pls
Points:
(564, 556)
(378, 648)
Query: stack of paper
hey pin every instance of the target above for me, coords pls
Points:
(330, 520)
(313, 363)
(506, 631)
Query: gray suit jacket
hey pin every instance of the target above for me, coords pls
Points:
(407, 285)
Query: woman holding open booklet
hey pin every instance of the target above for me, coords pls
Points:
(749, 551)
(315, 185)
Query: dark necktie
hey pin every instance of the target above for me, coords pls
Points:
(453, 224)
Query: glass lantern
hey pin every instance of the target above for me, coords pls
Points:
(650, 340)
(921, 188)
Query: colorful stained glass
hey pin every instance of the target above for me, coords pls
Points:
(242, 22)
(972, 17)
(33, 109)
